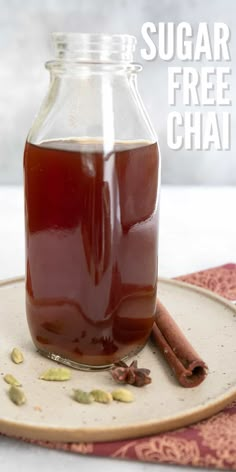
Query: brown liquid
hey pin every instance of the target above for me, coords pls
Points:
(91, 248)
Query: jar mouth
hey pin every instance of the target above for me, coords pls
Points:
(95, 47)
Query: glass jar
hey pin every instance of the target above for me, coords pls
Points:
(91, 167)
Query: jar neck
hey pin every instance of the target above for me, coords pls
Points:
(67, 69)
(93, 92)
(94, 48)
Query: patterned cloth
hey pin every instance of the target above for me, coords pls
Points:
(209, 443)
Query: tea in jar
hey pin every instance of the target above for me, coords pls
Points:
(91, 167)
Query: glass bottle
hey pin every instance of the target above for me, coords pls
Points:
(91, 167)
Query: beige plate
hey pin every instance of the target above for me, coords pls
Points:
(208, 321)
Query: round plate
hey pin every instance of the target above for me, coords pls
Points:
(51, 414)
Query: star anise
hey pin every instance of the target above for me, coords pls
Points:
(122, 373)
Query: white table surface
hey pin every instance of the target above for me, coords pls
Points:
(197, 231)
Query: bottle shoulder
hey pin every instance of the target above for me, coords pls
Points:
(95, 106)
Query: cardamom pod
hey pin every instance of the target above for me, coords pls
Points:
(123, 395)
(83, 397)
(17, 395)
(58, 374)
(101, 396)
(17, 356)
(11, 380)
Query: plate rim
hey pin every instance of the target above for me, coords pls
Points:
(132, 431)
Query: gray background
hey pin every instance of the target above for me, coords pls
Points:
(25, 28)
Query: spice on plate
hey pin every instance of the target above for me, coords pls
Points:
(83, 397)
(58, 374)
(11, 380)
(133, 375)
(188, 367)
(17, 395)
(123, 395)
(37, 408)
(17, 356)
(101, 396)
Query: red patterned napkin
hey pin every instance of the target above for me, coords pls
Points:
(209, 443)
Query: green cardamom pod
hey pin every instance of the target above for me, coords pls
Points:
(17, 395)
(11, 380)
(83, 397)
(17, 356)
(58, 374)
(101, 396)
(123, 395)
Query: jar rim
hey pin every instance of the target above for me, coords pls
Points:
(58, 35)
(94, 47)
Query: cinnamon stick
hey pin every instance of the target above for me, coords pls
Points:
(187, 365)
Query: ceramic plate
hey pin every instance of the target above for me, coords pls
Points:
(50, 413)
